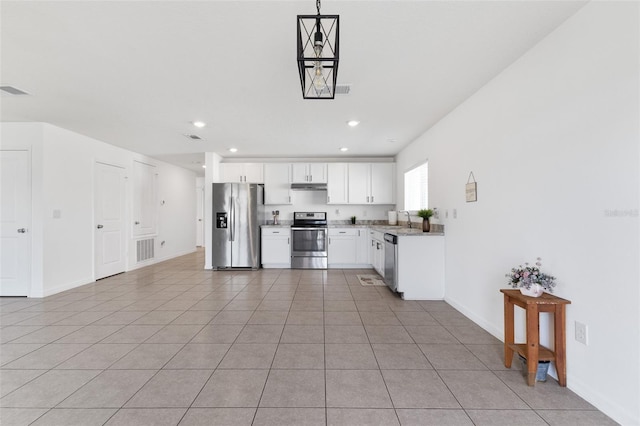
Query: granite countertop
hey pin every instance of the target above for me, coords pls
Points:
(400, 231)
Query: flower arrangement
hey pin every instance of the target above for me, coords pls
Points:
(528, 275)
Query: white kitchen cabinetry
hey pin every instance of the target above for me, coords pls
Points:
(376, 251)
(362, 248)
(337, 183)
(277, 183)
(371, 183)
(348, 248)
(276, 247)
(309, 173)
(382, 183)
(242, 172)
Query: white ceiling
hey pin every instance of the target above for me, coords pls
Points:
(136, 73)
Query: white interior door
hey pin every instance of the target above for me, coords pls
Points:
(199, 217)
(15, 212)
(109, 220)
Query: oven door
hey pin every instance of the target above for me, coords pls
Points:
(309, 242)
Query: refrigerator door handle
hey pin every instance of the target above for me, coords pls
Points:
(233, 220)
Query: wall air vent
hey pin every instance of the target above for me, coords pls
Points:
(145, 249)
(194, 137)
(10, 90)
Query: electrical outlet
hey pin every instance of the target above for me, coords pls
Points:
(364, 213)
(337, 212)
(581, 333)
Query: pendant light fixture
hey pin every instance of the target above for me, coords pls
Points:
(318, 48)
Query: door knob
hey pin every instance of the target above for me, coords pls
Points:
(136, 223)
(100, 227)
(22, 231)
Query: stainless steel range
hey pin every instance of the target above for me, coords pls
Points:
(309, 235)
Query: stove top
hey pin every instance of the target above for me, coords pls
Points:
(310, 219)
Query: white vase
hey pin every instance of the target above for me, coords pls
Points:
(536, 290)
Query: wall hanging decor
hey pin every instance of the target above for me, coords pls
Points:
(471, 188)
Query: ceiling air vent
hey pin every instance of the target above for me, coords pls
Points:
(343, 89)
(12, 90)
(194, 137)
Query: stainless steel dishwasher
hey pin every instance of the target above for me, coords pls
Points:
(391, 261)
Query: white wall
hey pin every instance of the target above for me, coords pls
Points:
(553, 143)
(62, 179)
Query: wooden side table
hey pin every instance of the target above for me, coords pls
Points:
(532, 350)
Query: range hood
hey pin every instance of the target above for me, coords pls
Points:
(309, 186)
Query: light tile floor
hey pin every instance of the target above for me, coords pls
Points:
(173, 344)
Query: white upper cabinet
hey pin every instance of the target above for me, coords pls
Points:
(309, 173)
(382, 183)
(337, 183)
(359, 177)
(371, 183)
(277, 183)
(242, 172)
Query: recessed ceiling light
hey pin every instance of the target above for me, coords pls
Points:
(233, 149)
(199, 124)
(353, 123)
(344, 149)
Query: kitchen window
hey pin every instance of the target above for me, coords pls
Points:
(416, 188)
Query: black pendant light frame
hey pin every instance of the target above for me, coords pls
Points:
(318, 54)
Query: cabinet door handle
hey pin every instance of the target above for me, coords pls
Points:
(328, 199)
(329, 240)
(367, 198)
(288, 241)
(372, 198)
(343, 232)
(276, 232)
(310, 178)
(358, 232)
(289, 198)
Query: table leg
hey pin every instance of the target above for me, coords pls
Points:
(533, 336)
(508, 331)
(559, 344)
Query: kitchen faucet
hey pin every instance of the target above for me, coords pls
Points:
(408, 216)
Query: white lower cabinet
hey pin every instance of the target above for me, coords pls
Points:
(276, 247)
(348, 248)
(376, 251)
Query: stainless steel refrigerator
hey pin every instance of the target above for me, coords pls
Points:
(237, 215)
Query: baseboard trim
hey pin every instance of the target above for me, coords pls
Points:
(65, 287)
(161, 259)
